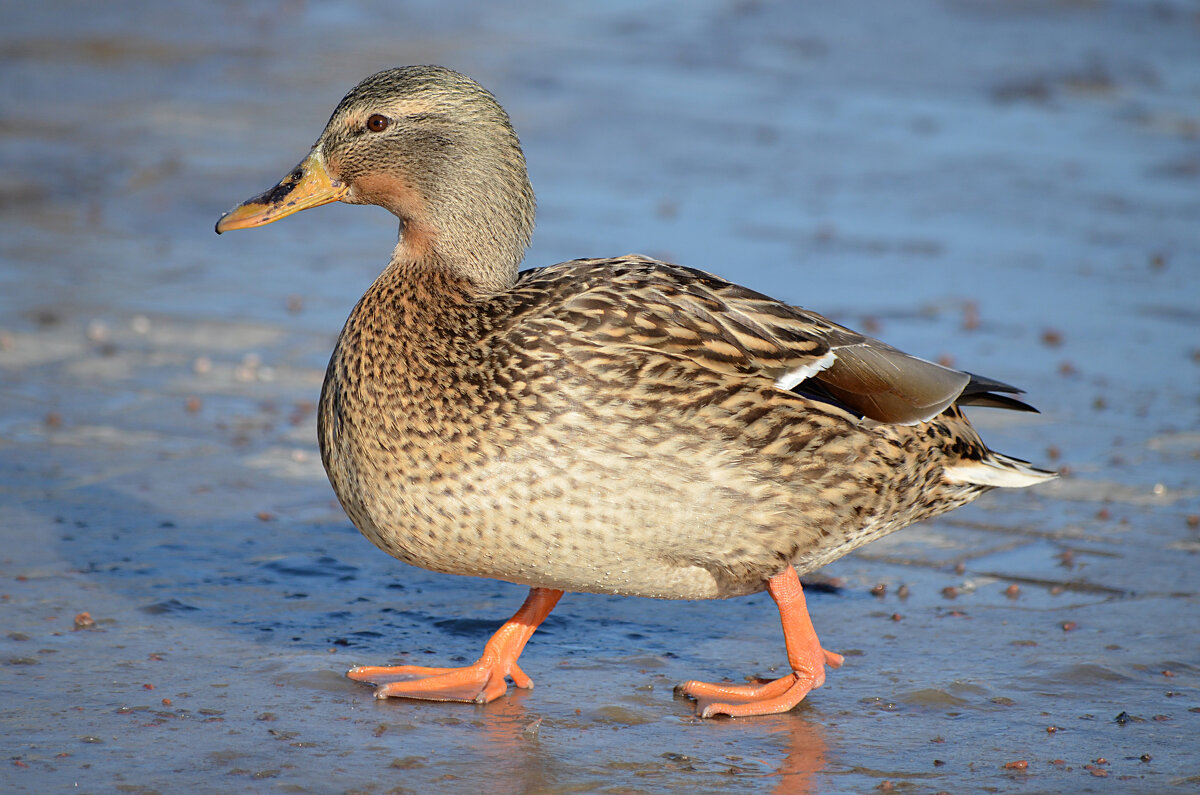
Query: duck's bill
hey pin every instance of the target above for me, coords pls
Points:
(309, 185)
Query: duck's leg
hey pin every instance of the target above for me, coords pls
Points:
(482, 682)
(804, 653)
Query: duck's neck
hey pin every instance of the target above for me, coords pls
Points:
(464, 263)
(475, 223)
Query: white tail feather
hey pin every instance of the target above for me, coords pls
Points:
(998, 470)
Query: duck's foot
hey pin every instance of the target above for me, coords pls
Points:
(764, 698)
(805, 656)
(482, 682)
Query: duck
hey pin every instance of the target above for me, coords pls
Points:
(617, 425)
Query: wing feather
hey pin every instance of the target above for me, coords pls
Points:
(637, 302)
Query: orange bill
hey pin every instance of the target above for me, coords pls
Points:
(309, 185)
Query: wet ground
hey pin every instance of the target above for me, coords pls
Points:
(1014, 187)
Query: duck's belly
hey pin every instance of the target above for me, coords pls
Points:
(663, 522)
(567, 528)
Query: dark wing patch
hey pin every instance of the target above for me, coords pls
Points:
(890, 386)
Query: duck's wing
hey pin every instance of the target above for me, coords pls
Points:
(638, 303)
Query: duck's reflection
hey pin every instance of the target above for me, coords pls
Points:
(792, 748)
(807, 754)
(517, 752)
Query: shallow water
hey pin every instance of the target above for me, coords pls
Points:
(1013, 186)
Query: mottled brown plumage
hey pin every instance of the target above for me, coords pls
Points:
(613, 426)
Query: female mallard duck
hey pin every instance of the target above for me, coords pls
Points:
(621, 426)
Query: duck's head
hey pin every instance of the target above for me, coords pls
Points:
(437, 150)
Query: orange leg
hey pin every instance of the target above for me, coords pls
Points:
(482, 682)
(804, 652)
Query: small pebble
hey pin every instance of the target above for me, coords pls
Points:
(896, 617)
(84, 620)
(879, 590)
(902, 592)
(97, 331)
(1052, 338)
(1019, 764)
(970, 319)
(950, 592)
(1193, 520)
(1012, 591)
(166, 702)
(1068, 626)
(193, 405)
(202, 365)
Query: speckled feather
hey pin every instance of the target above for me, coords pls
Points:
(591, 429)
(615, 425)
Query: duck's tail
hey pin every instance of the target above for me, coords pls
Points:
(999, 471)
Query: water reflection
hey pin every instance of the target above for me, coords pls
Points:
(512, 748)
(517, 762)
(807, 754)
(795, 748)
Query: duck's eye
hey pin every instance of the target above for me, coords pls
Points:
(378, 123)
